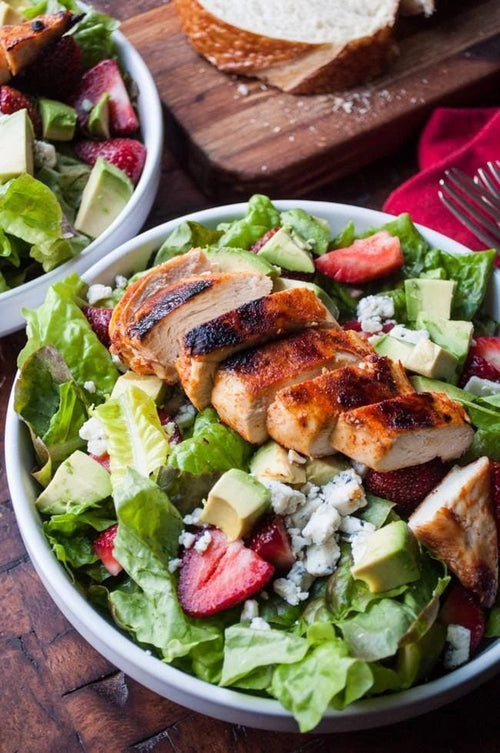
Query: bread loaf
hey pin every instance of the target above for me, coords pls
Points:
(300, 46)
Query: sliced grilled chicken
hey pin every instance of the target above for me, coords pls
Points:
(205, 346)
(303, 416)
(245, 384)
(20, 44)
(455, 522)
(151, 341)
(195, 262)
(395, 433)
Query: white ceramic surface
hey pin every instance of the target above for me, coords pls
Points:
(129, 221)
(222, 703)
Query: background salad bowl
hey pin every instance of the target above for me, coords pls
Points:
(132, 217)
(222, 703)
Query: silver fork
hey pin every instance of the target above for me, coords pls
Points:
(475, 202)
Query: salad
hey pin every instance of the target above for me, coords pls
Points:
(71, 146)
(317, 578)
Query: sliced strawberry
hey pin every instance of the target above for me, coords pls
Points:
(166, 419)
(223, 575)
(488, 347)
(99, 319)
(495, 492)
(460, 608)
(367, 259)
(255, 248)
(105, 77)
(103, 547)
(103, 459)
(477, 366)
(270, 540)
(127, 154)
(352, 324)
(12, 100)
(406, 486)
(57, 71)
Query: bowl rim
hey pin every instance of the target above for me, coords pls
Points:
(223, 703)
(152, 133)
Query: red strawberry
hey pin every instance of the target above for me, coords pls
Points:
(263, 239)
(224, 575)
(103, 459)
(477, 366)
(460, 608)
(489, 349)
(99, 319)
(12, 100)
(105, 78)
(166, 419)
(57, 71)
(127, 154)
(406, 486)
(270, 541)
(495, 492)
(367, 259)
(352, 324)
(103, 547)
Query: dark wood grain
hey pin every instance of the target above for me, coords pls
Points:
(58, 695)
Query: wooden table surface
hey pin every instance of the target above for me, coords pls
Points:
(57, 695)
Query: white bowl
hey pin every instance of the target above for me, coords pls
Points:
(128, 222)
(222, 703)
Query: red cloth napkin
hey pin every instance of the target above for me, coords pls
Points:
(463, 138)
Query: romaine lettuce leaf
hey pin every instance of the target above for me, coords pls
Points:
(187, 235)
(29, 210)
(260, 217)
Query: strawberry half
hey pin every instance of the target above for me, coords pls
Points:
(57, 71)
(367, 259)
(460, 608)
(105, 78)
(271, 542)
(225, 574)
(99, 319)
(406, 486)
(127, 154)
(12, 100)
(483, 360)
(103, 547)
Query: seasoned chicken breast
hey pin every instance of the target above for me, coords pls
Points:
(245, 384)
(403, 431)
(20, 44)
(455, 522)
(303, 416)
(150, 341)
(205, 346)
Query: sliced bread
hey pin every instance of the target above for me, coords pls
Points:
(304, 47)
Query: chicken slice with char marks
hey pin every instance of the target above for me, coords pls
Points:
(455, 522)
(205, 346)
(150, 343)
(20, 44)
(303, 416)
(399, 432)
(246, 384)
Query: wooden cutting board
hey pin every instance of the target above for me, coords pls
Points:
(238, 136)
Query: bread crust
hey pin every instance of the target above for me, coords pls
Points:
(294, 67)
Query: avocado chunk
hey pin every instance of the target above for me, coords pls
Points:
(424, 295)
(391, 558)
(320, 471)
(416, 660)
(238, 260)
(16, 140)
(398, 350)
(8, 15)
(288, 251)
(79, 480)
(106, 193)
(285, 283)
(58, 120)
(423, 357)
(148, 383)
(271, 461)
(98, 122)
(235, 502)
(453, 335)
(425, 384)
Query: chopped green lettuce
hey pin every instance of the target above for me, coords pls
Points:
(187, 235)
(261, 216)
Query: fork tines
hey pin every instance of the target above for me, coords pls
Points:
(475, 203)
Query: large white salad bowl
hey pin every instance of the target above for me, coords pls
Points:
(222, 703)
(128, 222)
